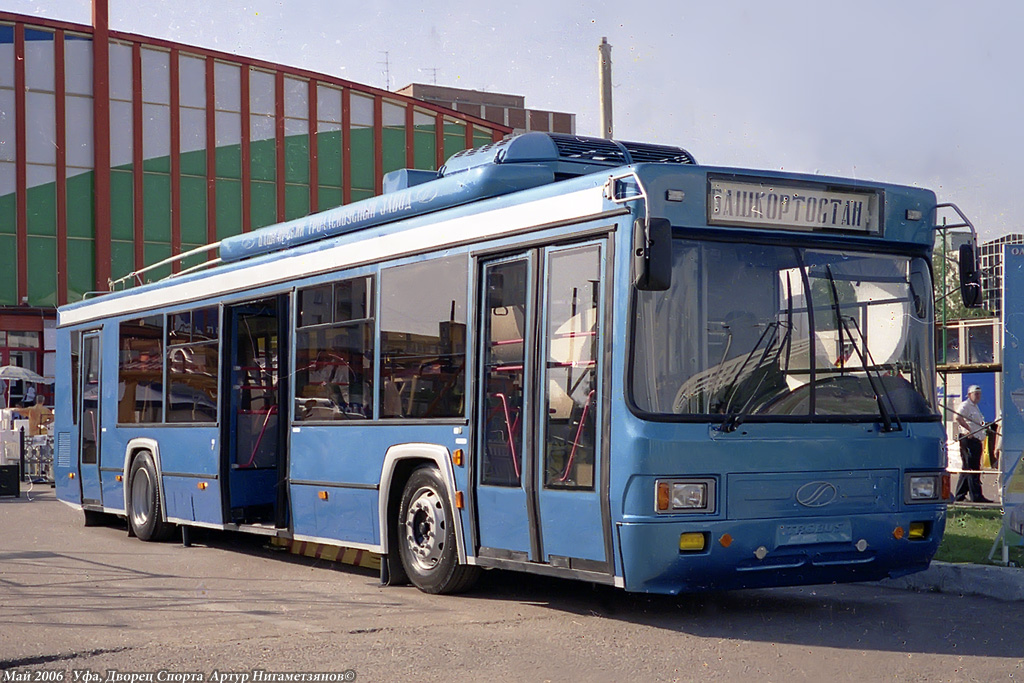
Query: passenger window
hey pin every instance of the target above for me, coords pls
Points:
(504, 361)
(334, 352)
(423, 339)
(573, 335)
(192, 365)
(140, 370)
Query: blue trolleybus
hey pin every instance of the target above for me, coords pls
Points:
(574, 357)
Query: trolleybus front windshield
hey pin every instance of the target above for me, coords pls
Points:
(781, 332)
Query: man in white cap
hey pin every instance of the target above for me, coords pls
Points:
(970, 427)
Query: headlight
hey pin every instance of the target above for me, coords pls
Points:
(922, 488)
(684, 495)
(689, 496)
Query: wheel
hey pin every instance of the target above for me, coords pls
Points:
(144, 501)
(426, 536)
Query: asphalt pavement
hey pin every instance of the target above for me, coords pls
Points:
(991, 581)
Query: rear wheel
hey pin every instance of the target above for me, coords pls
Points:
(144, 511)
(426, 536)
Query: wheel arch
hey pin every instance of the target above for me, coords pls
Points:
(131, 452)
(399, 463)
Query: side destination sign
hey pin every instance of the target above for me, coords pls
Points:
(460, 188)
(767, 204)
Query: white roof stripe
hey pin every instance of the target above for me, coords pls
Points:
(285, 266)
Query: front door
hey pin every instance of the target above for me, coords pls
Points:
(539, 447)
(89, 420)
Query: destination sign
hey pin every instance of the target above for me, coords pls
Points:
(766, 204)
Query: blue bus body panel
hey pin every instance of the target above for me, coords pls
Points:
(113, 490)
(185, 500)
(655, 565)
(186, 456)
(347, 515)
(760, 472)
(506, 511)
(351, 454)
(192, 450)
(566, 518)
(346, 461)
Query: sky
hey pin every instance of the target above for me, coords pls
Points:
(921, 93)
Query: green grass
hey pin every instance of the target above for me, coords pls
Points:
(969, 537)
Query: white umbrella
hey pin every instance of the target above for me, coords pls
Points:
(15, 373)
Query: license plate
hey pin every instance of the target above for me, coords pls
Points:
(806, 533)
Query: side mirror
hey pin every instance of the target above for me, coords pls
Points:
(970, 277)
(652, 254)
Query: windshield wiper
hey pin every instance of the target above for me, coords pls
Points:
(890, 422)
(733, 420)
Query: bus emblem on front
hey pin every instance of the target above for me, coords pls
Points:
(816, 494)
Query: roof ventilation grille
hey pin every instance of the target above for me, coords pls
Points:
(643, 153)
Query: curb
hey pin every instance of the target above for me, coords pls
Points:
(999, 583)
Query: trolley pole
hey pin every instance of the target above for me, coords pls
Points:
(605, 73)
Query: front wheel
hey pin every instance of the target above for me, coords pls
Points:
(144, 514)
(426, 536)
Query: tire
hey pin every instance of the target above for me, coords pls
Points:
(426, 536)
(144, 504)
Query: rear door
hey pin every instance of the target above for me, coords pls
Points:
(255, 462)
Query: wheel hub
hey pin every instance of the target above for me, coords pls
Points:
(425, 525)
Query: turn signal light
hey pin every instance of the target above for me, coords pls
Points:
(118, 478)
(691, 541)
(897, 533)
(71, 475)
(202, 485)
(457, 457)
(460, 501)
(322, 495)
(725, 541)
(947, 489)
(663, 496)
